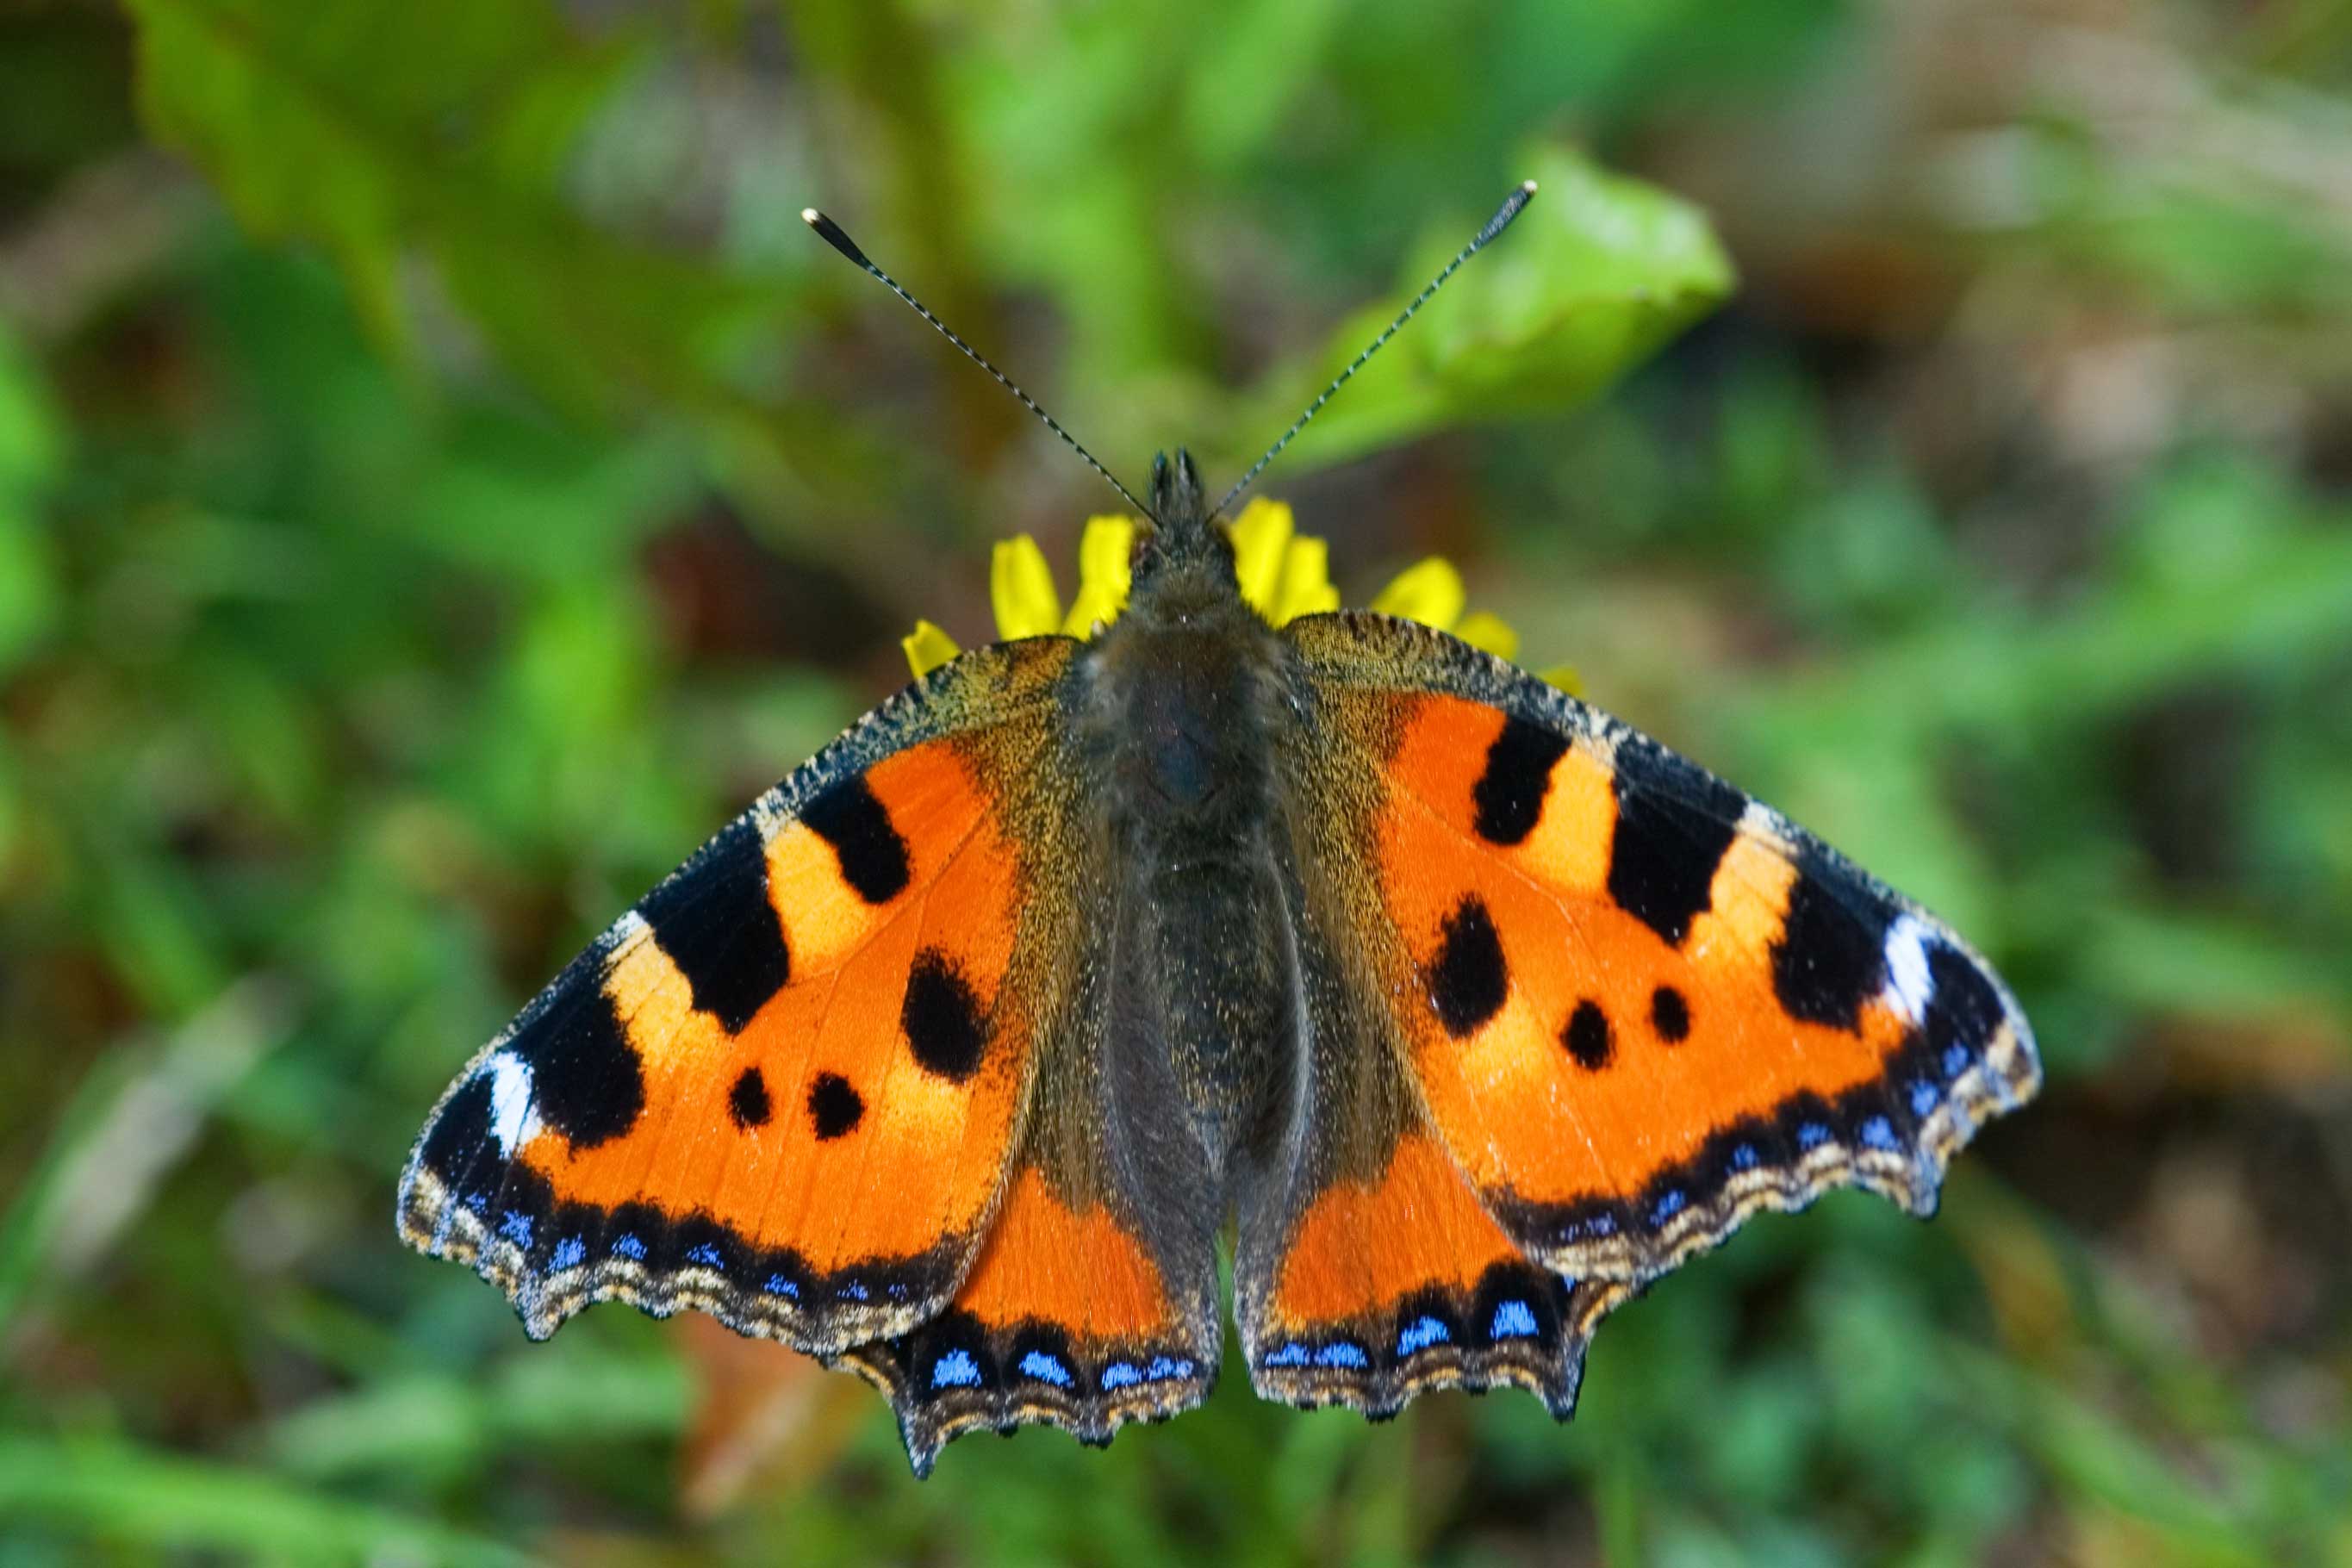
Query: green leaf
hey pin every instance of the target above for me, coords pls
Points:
(28, 586)
(578, 1395)
(2200, 963)
(1595, 275)
(32, 447)
(114, 1493)
(440, 131)
(129, 1122)
(31, 450)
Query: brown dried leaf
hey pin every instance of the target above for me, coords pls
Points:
(765, 1412)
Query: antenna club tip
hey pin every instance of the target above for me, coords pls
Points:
(1528, 186)
(829, 232)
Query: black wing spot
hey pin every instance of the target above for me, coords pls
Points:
(835, 1108)
(1510, 794)
(1673, 822)
(1669, 1015)
(1830, 957)
(585, 1079)
(942, 1018)
(1963, 1008)
(1586, 1035)
(748, 1101)
(461, 1133)
(715, 922)
(873, 857)
(1467, 980)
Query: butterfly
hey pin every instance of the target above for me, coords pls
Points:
(1469, 1010)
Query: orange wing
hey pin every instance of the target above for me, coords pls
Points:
(1094, 1302)
(1633, 1007)
(1368, 1269)
(1068, 1316)
(1397, 1281)
(788, 1086)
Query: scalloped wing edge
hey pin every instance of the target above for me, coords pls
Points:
(984, 1381)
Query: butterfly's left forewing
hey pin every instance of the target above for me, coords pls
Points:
(1629, 1005)
(787, 1086)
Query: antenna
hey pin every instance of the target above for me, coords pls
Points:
(831, 233)
(1495, 225)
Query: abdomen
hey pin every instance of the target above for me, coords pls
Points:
(1203, 947)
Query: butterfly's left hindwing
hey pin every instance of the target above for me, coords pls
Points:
(1094, 1302)
(1628, 1005)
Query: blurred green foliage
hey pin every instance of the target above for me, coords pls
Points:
(440, 481)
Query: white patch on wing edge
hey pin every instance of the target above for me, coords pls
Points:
(514, 1118)
(1909, 985)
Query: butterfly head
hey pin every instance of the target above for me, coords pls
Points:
(1182, 544)
(1178, 505)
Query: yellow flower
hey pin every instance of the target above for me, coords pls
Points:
(1283, 574)
(1430, 592)
(928, 648)
(1104, 552)
(1020, 590)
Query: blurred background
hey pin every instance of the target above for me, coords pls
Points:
(441, 480)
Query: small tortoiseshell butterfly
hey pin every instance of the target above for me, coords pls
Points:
(950, 1059)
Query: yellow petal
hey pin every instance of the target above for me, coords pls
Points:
(1430, 592)
(1482, 630)
(1093, 604)
(1261, 535)
(1020, 590)
(1306, 587)
(928, 648)
(1563, 675)
(1105, 551)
